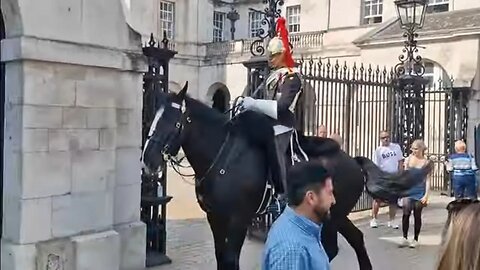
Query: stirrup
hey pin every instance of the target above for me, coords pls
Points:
(277, 206)
(295, 158)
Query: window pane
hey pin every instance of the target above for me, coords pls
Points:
(367, 11)
(255, 19)
(218, 23)
(372, 11)
(293, 18)
(166, 18)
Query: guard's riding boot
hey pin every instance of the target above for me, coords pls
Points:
(281, 145)
(274, 167)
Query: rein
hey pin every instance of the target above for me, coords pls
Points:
(176, 164)
(222, 171)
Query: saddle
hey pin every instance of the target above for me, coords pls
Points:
(299, 149)
(252, 129)
(260, 130)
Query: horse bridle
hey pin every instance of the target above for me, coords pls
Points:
(179, 126)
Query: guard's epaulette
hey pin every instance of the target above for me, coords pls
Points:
(292, 73)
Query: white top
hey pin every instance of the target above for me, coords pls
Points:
(387, 157)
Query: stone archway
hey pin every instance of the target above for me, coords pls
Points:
(219, 101)
(218, 96)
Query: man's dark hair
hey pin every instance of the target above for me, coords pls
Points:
(303, 177)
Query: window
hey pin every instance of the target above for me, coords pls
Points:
(218, 26)
(372, 11)
(254, 22)
(167, 19)
(435, 6)
(293, 19)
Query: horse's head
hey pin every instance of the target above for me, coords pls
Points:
(164, 137)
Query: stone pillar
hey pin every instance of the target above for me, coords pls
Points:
(473, 118)
(72, 137)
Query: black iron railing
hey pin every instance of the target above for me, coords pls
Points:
(358, 101)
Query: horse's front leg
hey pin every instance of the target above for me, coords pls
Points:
(354, 237)
(330, 239)
(219, 231)
(235, 238)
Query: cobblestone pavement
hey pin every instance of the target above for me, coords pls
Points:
(190, 244)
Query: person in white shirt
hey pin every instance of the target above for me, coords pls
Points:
(389, 158)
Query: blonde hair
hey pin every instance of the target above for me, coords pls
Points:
(420, 145)
(462, 248)
(460, 146)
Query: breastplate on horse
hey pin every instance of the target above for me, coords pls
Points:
(286, 84)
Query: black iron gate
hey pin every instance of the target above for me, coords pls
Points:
(353, 102)
(154, 197)
(357, 102)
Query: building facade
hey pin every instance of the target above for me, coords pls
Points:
(73, 101)
(350, 31)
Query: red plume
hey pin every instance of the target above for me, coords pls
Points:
(283, 33)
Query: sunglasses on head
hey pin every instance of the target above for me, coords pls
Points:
(385, 137)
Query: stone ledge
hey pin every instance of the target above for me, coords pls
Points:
(99, 251)
(38, 49)
(132, 245)
(95, 251)
(18, 257)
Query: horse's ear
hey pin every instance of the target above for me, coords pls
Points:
(183, 93)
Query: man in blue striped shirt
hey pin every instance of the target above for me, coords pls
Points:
(463, 168)
(294, 241)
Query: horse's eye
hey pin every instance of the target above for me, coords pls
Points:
(177, 125)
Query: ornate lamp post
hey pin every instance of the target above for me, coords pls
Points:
(270, 13)
(233, 16)
(409, 72)
(411, 14)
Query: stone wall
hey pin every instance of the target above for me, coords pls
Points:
(72, 137)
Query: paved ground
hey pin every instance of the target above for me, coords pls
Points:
(190, 244)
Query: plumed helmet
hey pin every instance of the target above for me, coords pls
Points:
(280, 43)
(275, 46)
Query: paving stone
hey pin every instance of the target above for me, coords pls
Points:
(190, 242)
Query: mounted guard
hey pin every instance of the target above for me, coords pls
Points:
(285, 83)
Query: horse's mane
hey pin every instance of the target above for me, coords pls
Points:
(204, 112)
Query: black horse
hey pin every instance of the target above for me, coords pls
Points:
(231, 174)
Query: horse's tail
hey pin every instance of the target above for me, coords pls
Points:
(390, 186)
